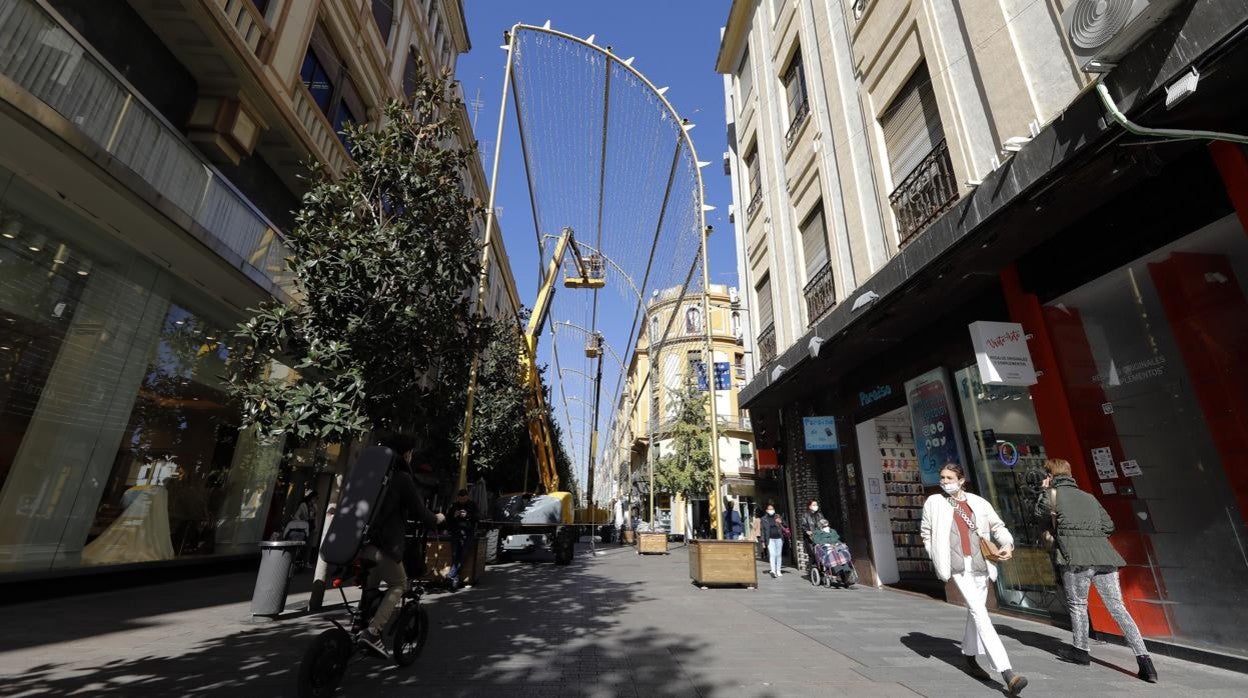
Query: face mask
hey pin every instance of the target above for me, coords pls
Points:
(771, 512)
(950, 487)
(814, 507)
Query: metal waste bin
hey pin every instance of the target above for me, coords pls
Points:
(277, 564)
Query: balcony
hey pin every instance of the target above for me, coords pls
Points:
(928, 191)
(248, 24)
(767, 344)
(756, 202)
(745, 466)
(49, 62)
(735, 423)
(820, 294)
(795, 126)
(318, 127)
(738, 372)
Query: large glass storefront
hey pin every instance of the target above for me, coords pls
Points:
(1005, 445)
(1153, 356)
(117, 441)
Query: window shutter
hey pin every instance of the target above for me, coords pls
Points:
(911, 126)
(764, 303)
(756, 174)
(815, 242)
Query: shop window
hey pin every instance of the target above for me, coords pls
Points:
(1005, 443)
(117, 441)
(1152, 357)
(383, 14)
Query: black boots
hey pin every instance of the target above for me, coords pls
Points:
(975, 670)
(1147, 671)
(1074, 655)
(1015, 683)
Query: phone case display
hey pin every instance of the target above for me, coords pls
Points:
(904, 489)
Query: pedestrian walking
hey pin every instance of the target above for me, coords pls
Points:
(1085, 557)
(771, 530)
(734, 526)
(462, 522)
(954, 524)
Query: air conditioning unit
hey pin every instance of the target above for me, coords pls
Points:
(1101, 32)
(734, 296)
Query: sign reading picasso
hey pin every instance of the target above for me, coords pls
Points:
(1001, 353)
(820, 433)
(936, 437)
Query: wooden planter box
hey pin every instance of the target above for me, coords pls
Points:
(719, 562)
(438, 561)
(652, 543)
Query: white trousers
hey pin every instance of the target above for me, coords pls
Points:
(980, 637)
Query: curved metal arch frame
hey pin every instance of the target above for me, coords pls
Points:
(687, 140)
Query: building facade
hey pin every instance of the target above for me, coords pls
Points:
(668, 360)
(150, 162)
(904, 170)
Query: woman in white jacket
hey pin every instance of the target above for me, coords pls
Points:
(953, 524)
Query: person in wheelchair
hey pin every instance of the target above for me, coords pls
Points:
(832, 555)
(387, 539)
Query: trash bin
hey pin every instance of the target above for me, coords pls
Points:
(277, 564)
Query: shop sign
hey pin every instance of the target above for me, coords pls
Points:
(1001, 353)
(820, 433)
(875, 394)
(935, 434)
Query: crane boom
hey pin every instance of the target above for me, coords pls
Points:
(589, 274)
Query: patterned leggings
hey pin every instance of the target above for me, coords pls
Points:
(1078, 580)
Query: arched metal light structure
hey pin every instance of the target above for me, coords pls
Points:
(606, 154)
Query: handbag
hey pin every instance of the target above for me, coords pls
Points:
(1048, 536)
(987, 548)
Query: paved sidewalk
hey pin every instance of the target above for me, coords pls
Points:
(613, 625)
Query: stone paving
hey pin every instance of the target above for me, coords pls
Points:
(614, 624)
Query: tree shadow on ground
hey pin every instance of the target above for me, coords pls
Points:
(90, 615)
(526, 630)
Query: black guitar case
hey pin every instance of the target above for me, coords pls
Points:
(362, 494)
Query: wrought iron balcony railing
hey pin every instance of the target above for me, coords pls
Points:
(925, 193)
(735, 423)
(820, 294)
(756, 202)
(799, 117)
(767, 344)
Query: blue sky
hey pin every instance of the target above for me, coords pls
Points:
(675, 44)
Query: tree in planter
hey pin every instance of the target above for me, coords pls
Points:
(382, 258)
(685, 468)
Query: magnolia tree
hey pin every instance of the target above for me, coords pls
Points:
(384, 258)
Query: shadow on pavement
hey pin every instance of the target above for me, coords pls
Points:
(1050, 644)
(89, 615)
(946, 650)
(526, 630)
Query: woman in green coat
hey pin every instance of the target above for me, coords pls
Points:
(1085, 557)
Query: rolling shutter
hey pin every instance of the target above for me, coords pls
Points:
(911, 126)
